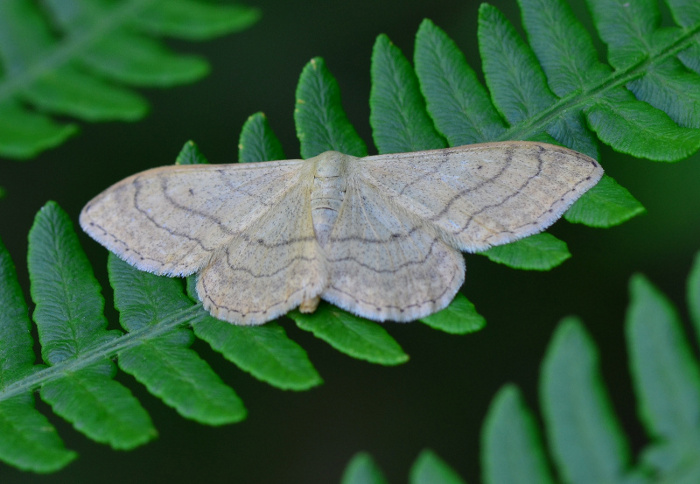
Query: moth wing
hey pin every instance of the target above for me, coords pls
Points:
(482, 195)
(269, 269)
(171, 220)
(385, 263)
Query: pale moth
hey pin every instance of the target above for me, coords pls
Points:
(379, 236)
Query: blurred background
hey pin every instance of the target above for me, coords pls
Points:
(439, 398)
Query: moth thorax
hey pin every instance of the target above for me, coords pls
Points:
(327, 194)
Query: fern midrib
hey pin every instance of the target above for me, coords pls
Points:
(72, 45)
(102, 352)
(581, 98)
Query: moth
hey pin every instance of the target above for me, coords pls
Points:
(380, 236)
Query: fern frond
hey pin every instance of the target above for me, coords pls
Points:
(29, 440)
(76, 347)
(584, 437)
(70, 322)
(363, 469)
(429, 468)
(102, 45)
(553, 89)
(639, 51)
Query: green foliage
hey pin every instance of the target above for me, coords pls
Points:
(429, 468)
(77, 381)
(399, 119)
(265, 352)
(101, 45)
(320, 120)
(165, 364)
(258, 142)
(508, 429)
(584, 437)
(442, 102)
(190, 155)
(351, 334)
(571, 385)
(551, 87)
(29, 441)
(539, 252)
(460, 317)
(604, 205)
(363, 470)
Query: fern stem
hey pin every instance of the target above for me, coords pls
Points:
(66, 50)
(100, 353)
(580, 99)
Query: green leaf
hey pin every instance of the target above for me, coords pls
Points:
(190, 155)
(183, 381)
(194, 20)
(79, 383)
(563, 47)
(585, 438)
(539, 252)
(460, 317)
(690, 58)
(99, 407)
(319, 117)
(165, 365)
(126, 56)
(565, 50)
(626, 31)
(71, 59)
(605, 205)
(398, 117)
(672, 88)
(264, 351)
(512, 449)
(430, 469)
(693, 294)
(68, 298)
(64, 89)
(362, 470)
(634, 127)
(684, 12)
(140, 61)
(666, 377)
(517, 84)
(69, 318)
(629, 33)
(456, 100)
(519, 87)
(24, 133)
(257, 141)
(351, 335)
(69, 91)
(29, 441)
(16, 345)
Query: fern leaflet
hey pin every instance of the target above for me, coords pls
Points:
(584, 437)
(103, 44)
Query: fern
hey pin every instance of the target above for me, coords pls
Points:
(102, 44)
(442, 103)
(585, 439)
(78, 381)
(535, 91)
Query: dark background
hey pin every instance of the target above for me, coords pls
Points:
(439, 398)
